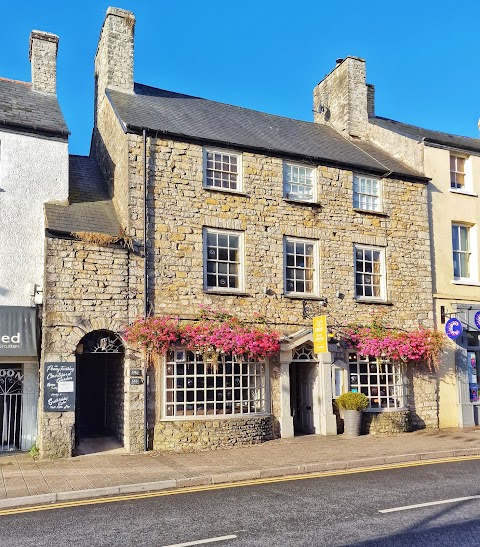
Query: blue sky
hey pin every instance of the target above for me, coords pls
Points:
(422, 57)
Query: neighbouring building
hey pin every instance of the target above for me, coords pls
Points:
(345, 101)
(244, 211)
(33, 171)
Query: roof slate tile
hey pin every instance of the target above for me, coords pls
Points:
(90, 208)
(22, 107)
(209, 121)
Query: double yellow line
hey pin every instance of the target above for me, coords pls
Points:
(210, 487)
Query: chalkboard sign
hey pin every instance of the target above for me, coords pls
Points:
(59, 387)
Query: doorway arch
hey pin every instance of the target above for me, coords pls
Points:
(100, 392)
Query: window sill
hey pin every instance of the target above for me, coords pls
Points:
(303, 202)
(226, 191)
(304, 297)
(374, 301)
(214, 417)
(389, 410)
(367, 211)
(225, 293)
(470, 282)
(463, 192)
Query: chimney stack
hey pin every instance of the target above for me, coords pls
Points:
(114, 57)
(43, 59)
(340, 99)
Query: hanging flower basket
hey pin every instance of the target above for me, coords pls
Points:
(213, 334)
(388, 344)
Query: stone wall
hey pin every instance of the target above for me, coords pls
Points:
(112, 156)
(190, 435)
(422, 396)
(180, 207)
(88, 288)
(115, 396)
(375, 423)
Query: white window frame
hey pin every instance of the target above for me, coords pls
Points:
(297, 196)
(294, 240)
(365, 196)
(383, 382)
(454, 185)
(240, 263)
(224, 152)
(195, 390)
(471, 252)
(382, 273)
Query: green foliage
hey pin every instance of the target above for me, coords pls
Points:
(34, 452)
(352, 401)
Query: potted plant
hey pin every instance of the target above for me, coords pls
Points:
(352, 404)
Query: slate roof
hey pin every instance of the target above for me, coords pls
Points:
(191, 117)
(434, 137)
(90, 208)
(23, 108)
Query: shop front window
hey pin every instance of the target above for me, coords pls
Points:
(18, 406)
(194, 387)
(473, 360)
(382, 382)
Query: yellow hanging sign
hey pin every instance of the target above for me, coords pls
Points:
(320, 344)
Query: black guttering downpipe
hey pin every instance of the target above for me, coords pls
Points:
(145, 286)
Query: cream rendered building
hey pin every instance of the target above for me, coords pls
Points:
(345, 101)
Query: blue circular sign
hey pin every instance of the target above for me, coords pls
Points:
(477, 319)
(453, 328)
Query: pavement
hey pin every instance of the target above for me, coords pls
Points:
(25, 481)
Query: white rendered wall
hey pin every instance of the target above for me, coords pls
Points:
(33, 171)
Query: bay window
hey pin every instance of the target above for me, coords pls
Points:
(196, 387)
(382, 382)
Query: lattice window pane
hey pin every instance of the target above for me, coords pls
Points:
(222, 170)
(299, 266)
(369, 278)
(298, 182)
(222, 259)
(228, 388)
(382, 382)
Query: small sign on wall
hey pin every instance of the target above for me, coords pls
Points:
(320, 344)
(453, 328)
(59, 387)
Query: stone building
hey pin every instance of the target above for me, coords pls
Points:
(240, 210)
(33, 171)
(345, 101)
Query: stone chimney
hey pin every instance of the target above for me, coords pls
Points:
(43, 58)
(114, 57)
(340, 99)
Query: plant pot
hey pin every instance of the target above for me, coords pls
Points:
(352, 421)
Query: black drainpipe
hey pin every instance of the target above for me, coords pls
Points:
(145, 286)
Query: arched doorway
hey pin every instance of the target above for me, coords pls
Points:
(303, 377)
(99, 410)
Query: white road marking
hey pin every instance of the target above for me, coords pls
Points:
(202, 541)
(428, 504)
